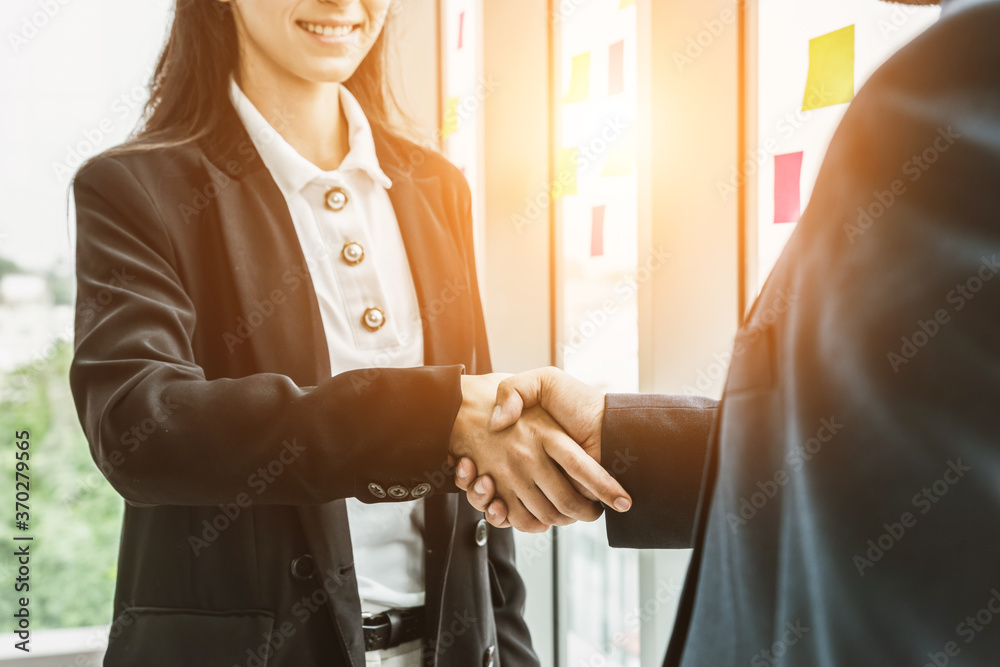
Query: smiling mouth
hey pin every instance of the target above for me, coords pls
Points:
(327, 30)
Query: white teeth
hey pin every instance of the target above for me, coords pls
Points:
(327, 30)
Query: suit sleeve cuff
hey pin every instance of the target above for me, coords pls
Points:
(411, 461)
(655, 447)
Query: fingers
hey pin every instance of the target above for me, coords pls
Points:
(519, 517)
(541, 508)
(481, 493)
(496, 514)
(588, 472)
(465, 472)
(564, 497)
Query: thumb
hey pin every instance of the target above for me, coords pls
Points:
(514, 394)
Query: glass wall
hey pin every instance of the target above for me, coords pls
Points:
(810, 59)
(597, 339)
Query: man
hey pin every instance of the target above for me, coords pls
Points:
(842, 498)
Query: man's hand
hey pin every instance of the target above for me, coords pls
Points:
(526, 461)
(579, 409)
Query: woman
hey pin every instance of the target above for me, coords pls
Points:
(281, 300)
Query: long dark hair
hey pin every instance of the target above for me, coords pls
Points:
(189, 91)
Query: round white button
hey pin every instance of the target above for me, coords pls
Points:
(421, 490)
(336, 199)
(353, 253)
(373, 319)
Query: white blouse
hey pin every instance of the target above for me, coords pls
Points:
(357, 261)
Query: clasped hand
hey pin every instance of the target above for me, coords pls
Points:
(528, 450)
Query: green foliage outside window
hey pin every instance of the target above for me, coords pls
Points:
(75, 514)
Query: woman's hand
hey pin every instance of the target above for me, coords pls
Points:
(522, 461)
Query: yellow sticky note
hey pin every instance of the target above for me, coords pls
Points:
(622, 4)
(579, 80)
(831, 69)
(564, 182)
(621, 156)
(449, 124)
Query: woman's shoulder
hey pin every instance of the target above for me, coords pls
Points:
(141, 161)
(418, 160)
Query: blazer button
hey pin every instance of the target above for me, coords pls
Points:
(336, 199)
(353, 253)
(489, 656)
(376, 490)
(398, 492)
(421, 490)
(482, 532)
(303, 567)
(373, 319)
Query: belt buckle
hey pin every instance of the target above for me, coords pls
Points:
(376, 630)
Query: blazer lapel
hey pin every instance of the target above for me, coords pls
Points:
(440, 275)
(260, 239)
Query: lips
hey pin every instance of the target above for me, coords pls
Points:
(326, 29)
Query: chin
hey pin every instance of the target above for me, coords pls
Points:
(328, 73)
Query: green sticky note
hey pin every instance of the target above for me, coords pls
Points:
(621, 156)
(564, 182)
(579, 80)
(831, 69)
(449, 124)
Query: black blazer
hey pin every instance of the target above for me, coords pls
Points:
(851, 489)
(202, 380)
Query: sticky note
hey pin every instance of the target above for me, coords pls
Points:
(616, 68)
(621, 155)
(597, 231)
(579, 80)
(449, 124)
(831, 69)
(787, 175)
(461, 25)
(564, 182)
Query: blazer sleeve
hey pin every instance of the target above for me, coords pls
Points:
(164, 434)
(655, 446)
(513, 637)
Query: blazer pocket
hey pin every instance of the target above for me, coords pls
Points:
(165, 637)
(753, 366)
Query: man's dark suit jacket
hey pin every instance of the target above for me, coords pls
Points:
(844, 496)
(202, 380)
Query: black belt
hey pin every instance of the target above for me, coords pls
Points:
(392, 627)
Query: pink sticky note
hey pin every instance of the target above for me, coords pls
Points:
(461, 25)
(616, 68)
(597, 231)
(787, 174)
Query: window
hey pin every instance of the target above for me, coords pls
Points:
(797, 107)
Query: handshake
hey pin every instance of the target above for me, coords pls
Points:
(527, 450)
